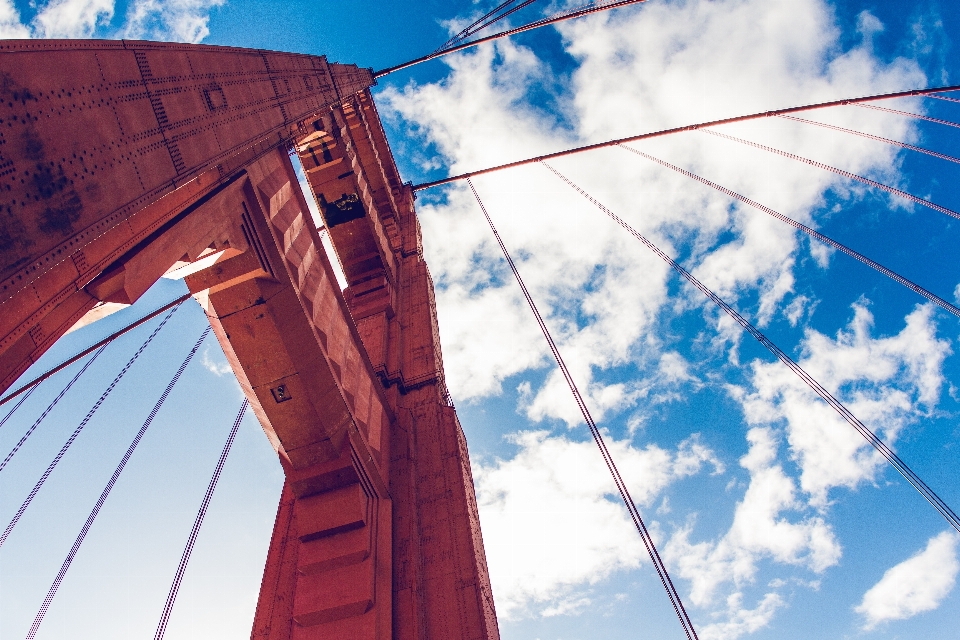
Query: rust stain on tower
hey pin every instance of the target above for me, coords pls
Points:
(124, 161)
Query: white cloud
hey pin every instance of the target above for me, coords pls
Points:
(176, 20)
(740, 620)
(10, 25)
(599, 290)
(885, 381)
(72, 18)
(917, 584)
(171, 20)
(217, 367)
(609, 302)
(555, 499)
(760, 530)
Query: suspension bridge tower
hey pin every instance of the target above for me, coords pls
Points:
(121, 162)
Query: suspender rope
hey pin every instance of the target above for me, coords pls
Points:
(113, 336)
(839, 172)
(943, 98)
(106, 490)
(902, 145)
(30, 388)
(566, 15)
(195, 531)
(661, 569)
(83, 423)
(49, 408)
(810, 232)
(911, 115)
(690, 127)
(485, 21)
(817, 388)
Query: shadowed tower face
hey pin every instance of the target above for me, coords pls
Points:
(124, 161)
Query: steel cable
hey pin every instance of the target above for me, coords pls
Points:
(197, 523)
(76, 432)
(910, 115)
(29, 391)
(810, 232)
(825, 395)
(576, 13)
(651, 548)
(50, 407)
(839, 172)
(689, 127)
(106, 491)
(895, 143)
(113, 336)
(933, 95)
(484, 21)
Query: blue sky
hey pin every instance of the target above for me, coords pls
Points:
(773, 517)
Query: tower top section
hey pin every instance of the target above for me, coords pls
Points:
(96, 130)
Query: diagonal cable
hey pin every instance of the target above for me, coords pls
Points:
(49, 408)
(195, 531)
(902, 145)
(490, 18)
(110, 338)
(932, 297)
(910, 115)
(689, 127)
(29, 392)
(933, 95)
(661, 569)
(83, 423)
(817, 388)
(584, 10)
(106, 490)
(839, 172)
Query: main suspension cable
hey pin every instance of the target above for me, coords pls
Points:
(76, 432)
(113, 336)
(197, 523)
(49, 408)
(902, 145)
(949, 515)
(690, 127)
(661, 569)
(106, 490)
(567, 15)
(839, 172)
(810, 232)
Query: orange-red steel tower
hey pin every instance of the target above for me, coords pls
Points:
(121, 162)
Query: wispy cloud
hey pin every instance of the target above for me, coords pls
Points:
(218, 367)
